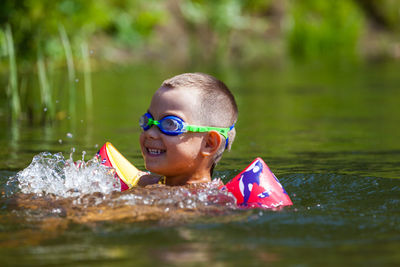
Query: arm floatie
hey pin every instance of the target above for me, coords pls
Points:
(128, 174)
(257, 187)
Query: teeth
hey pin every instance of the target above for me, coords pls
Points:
(155, 151)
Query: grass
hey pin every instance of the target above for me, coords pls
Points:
(45, 89)
(18, 88)
(71, 70)
(12, 90)
(87, 79)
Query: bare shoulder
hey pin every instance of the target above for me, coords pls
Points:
(149, 179)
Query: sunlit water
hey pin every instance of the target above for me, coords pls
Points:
(331, 137)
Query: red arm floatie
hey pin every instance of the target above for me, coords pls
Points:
(256, 186)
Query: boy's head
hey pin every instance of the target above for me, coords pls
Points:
(194, 99)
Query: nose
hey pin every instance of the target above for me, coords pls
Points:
(153, 132)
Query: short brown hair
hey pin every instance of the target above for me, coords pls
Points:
(218, 105)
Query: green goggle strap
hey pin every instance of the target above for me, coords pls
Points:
(193, 128)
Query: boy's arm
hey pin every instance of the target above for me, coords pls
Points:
(149, 179)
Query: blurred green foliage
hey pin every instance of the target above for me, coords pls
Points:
(210, 24)
(324, 29)
(383, 13)
(36, 23)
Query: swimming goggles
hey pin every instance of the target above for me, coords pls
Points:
(173, 125)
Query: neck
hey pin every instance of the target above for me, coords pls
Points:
(184, 180)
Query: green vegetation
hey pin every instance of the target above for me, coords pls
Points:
(45, 89)
(324, 29)
(88, 79)
(47, 37)
(12, 89)
(71, 70)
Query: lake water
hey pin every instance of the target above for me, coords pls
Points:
(331, 136)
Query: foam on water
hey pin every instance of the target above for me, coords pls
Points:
(53, 174)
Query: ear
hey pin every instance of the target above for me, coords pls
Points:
(212, 142)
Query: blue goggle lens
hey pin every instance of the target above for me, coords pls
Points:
(169, 125)
(144, 121)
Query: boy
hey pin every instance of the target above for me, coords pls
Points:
(188, 126)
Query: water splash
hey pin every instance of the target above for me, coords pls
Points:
(53, 174)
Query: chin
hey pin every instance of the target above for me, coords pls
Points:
(154, 168)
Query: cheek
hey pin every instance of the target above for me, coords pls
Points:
(189, 146)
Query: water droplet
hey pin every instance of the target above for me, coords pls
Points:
(60, 141)
(56, 211)
(69, 135)
(57, 101)
(91, 51)
(96, 145)
(45, 109)
(76, 80)
(81, 121)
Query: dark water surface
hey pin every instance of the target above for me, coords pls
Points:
(331, 136)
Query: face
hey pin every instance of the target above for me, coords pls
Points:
(177, 157)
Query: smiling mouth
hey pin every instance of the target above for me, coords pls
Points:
(155, 152)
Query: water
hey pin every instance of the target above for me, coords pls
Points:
(331, 136)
